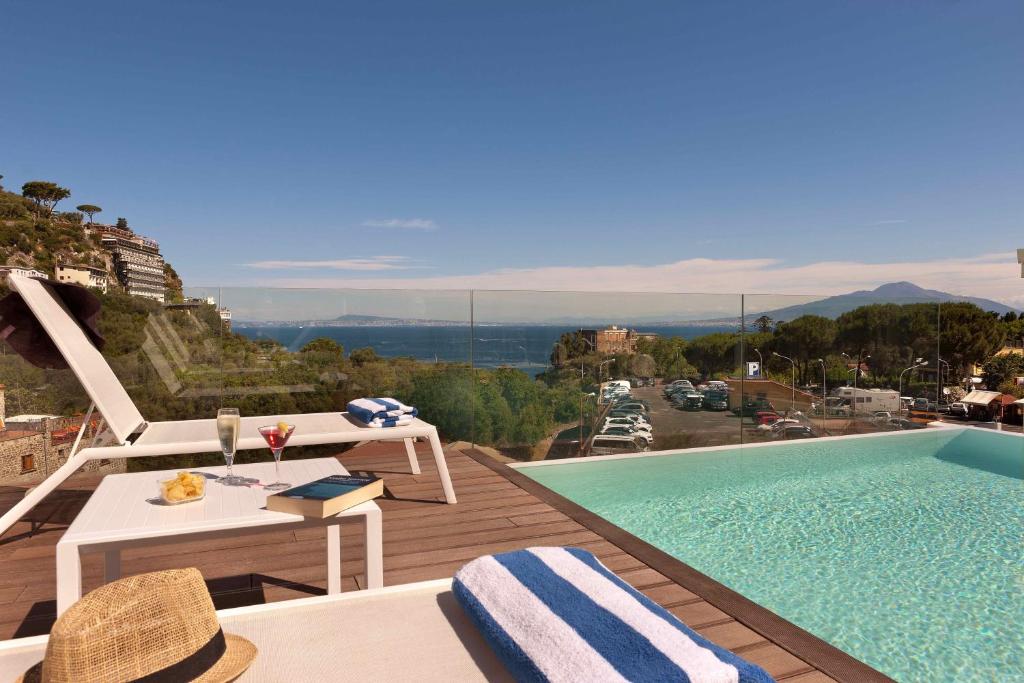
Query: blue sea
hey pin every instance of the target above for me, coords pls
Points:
(527, 347)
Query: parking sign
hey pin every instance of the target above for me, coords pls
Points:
(754, 370)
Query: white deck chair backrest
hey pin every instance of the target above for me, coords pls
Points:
(88, 364)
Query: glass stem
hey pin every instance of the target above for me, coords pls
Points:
(277, 463)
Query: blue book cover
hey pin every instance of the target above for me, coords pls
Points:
(329, 487)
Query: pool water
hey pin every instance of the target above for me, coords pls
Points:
(903, 550)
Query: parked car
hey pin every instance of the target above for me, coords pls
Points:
(958, 410)
(881, 416)
(628, 422)
(751, 408)
(795, 432)
(612, 444)
(716, 400)
(647, 437)
(777, 424)
(643, 402)
(903, 423)
(634, 416)
(766, 416)
(693, 400)
(631, 405)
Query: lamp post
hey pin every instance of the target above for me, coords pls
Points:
(856, 374)
(920, 362)
(792, 400)
(760, 362)
(824, 393)
(601, 365)
(582, 379)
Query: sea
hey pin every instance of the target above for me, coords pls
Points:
(526, 347)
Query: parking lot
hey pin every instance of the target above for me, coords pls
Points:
(675, 428)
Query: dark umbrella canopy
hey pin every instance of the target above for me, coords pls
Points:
(23, 332)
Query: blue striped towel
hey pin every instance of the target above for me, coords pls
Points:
(381, 412)
(558, 614)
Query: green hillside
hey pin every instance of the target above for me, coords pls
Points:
(33, 233)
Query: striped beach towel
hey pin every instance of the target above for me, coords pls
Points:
(381, 412)
(558, 614)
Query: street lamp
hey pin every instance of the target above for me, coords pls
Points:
(601, 365)
(760, 363)
(856, 374)
(824, 394)
(918, 363)
(792, 400)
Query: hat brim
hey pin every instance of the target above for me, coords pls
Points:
(236, 659)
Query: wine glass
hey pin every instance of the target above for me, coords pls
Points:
(228, 425)
(277, 436)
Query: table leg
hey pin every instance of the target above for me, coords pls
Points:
(333, 558)
(374, 549)
(69, 576)
(442, 468)
(410, 450)
(111, 565)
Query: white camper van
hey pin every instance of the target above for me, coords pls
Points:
(868, 401)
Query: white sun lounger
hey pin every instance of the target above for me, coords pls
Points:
(134, 437)
(412, 632)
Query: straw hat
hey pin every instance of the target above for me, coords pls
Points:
(156, 627)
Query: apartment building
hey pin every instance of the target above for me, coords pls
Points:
(138, 263)
(87, 276)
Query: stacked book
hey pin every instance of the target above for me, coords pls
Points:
(381, 412)
(327, 496)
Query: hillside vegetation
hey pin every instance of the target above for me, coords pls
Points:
(35, 235)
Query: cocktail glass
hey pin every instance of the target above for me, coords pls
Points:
(277, 436)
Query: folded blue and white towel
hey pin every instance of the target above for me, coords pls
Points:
(558, 614)
(369, 409)
(380, 423)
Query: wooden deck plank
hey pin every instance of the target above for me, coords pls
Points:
(424, 538)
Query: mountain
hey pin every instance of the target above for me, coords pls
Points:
(891, 293)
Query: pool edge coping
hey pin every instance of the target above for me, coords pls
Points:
(804, 645)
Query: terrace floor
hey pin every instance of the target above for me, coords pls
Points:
(498, 510)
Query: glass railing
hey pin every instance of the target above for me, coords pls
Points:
(522, 375)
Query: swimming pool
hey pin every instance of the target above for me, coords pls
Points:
(904, 550)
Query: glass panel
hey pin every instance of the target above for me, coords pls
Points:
(564, 374)
(840, 365)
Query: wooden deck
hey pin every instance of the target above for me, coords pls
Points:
(424, 538)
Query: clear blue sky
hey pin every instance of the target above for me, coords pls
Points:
(530, 134)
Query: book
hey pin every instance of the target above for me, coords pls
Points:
(327, 496)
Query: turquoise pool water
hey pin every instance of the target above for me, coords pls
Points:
(903, 550)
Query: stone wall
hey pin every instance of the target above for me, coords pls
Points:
(49, 445)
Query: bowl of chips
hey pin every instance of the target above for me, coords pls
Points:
(184, 488)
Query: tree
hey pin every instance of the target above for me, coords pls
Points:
(89, 210)
(805, 339)
(764, 324)
(1002, 369)
(322, 353)
(122, 223)
(642, 365)
(45, 194)
(363, 356)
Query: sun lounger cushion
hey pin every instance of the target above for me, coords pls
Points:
(558, 614)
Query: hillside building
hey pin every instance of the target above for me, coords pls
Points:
(7, 271)
(615, 339)
(87, 276)
(138, 264)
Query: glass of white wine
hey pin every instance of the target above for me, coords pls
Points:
(229, 423)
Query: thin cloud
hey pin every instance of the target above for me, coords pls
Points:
(889, 221)
(993, 276)
(372, 263)
(407, 223)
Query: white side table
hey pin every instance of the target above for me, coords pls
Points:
(120, 515)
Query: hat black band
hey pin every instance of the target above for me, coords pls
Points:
(193, 666)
